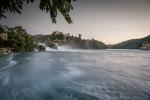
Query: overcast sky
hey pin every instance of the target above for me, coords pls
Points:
(110, 21)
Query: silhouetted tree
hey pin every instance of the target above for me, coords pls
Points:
(50, 6)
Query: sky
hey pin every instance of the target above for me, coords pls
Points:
(109, 21)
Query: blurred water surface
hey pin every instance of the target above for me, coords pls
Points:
(76, 75)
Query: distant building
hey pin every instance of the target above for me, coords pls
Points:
(109, 46)
(6, 50)
(145, 46)
(3, 36)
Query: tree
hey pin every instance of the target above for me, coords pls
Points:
(57, 36)
(18, 39)
(50, 6)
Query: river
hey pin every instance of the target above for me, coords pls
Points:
(76, 75)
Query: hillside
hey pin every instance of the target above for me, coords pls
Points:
(132, 44)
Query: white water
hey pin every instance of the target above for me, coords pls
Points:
(64, 48)
(49, 49)
(11, 62)
(59, 48)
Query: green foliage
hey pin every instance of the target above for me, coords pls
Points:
(53, 6)
(18, 39)
(57, 36)
(50, 6)
(52, 37)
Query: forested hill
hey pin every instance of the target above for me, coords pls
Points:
(132, 44)
(74, 42)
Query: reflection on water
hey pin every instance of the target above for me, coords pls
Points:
(76, 75)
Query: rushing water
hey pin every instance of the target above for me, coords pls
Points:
(76, 75)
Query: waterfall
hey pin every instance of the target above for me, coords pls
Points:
(49, 49)
(59, 47)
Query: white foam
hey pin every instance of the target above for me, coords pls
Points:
(72, 72)
(11, 62)
(6, 80)
(59, 48)
(49, 49)
(63, 48)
